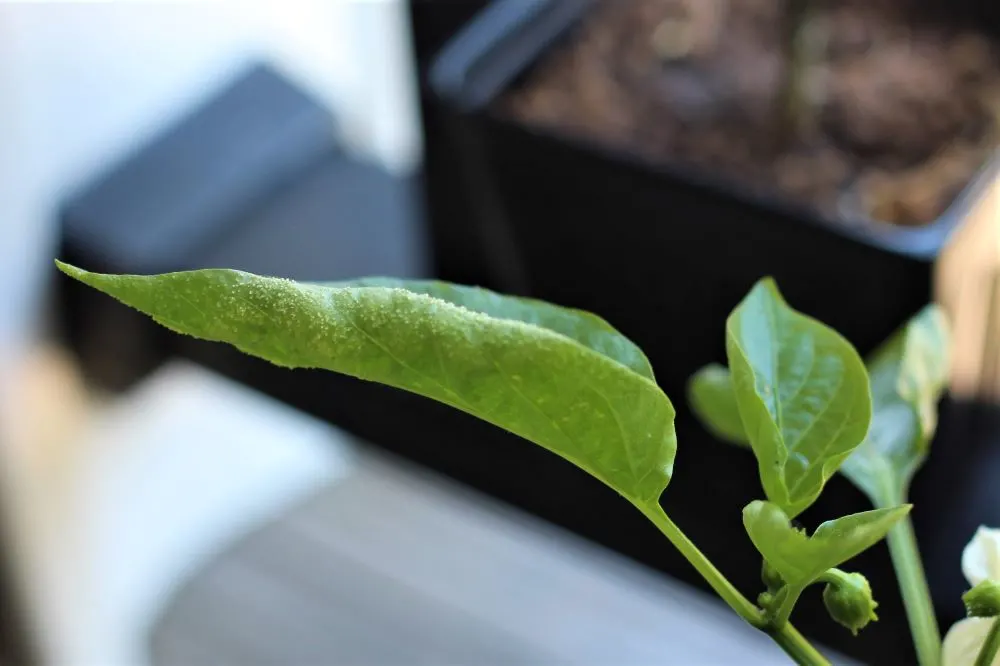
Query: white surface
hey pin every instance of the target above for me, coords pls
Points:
(162, 481)
(82, 83)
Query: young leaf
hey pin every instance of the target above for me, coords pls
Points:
(800, 559)
(802, 393)
(908, 374)
(544, 386)
(710, 393)
(586, 328)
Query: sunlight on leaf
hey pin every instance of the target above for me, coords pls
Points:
(547, 385)
(586, 328)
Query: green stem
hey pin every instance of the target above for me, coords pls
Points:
(911, 578)
(788, 600)
(989, 650)
(796, 646)
(802, 50)
(786, 636)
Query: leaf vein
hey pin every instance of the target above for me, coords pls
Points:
(456, 397)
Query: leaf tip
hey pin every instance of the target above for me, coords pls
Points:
(752, 509)
(80, 274)
(70, 269)
(770, 285)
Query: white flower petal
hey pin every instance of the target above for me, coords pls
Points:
(964, 640)
(981, 558)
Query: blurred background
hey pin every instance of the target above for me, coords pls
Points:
(166, 501)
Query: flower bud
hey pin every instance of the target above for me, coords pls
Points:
(983, 600)
(848, 599)
(772, 579)
(765, 600)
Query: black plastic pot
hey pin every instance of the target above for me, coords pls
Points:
(665, 253)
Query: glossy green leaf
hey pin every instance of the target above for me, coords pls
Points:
(802, 559)
(802, 393)
(540, 384)
(908, 375)
(586, 328)
(711, 396)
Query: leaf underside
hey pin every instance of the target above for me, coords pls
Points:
(574, 388)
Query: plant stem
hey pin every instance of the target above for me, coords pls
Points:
(989, 650)
(791, 597)
(786, 636)
(802, 49)
(796, 646)
(911, 578)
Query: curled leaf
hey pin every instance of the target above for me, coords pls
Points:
(802, 559)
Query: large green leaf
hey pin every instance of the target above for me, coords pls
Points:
(908, 374)
(586, 328)
(710, 393)
(540, 384)
(802, 393)
(801, 559)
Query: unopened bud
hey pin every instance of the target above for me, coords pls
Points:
(772, 579)
(848, 599)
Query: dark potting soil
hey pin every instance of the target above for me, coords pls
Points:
(902, 111)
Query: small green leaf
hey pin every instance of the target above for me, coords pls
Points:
(908, 374)
(802, 393)
(801, 559)
(586, 328)
(710, 393)
(537, 383)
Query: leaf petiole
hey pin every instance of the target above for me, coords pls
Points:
(739, 603)
(786, 636)
(787, 598)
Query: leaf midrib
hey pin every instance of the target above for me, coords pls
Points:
(826, 448)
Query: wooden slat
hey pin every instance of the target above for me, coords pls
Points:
(392, 567)
(965, 275)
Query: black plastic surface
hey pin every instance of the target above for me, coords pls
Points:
(664, 253)
(181, 190)
(253, 179)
